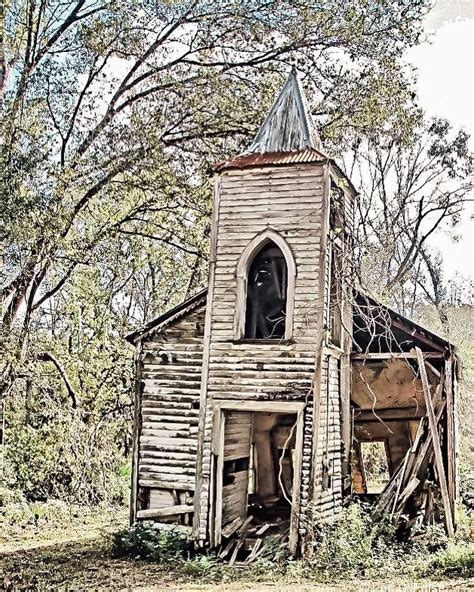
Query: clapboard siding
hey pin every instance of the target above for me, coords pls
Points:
(171, 378)
(289, 201)
(328, 474)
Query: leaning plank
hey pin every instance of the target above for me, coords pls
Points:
(232, 527)
(399, 484)
(242, 532)
(450, 424)
(225, 551)
(245, 526)
(436, 445)
(168, 511)
(255, 548)
(263, 529)
(409, 489)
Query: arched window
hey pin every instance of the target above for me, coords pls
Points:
(266, 274)
(267, 287)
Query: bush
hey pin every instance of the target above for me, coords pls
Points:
(352, 545)
(143, 541)
(342, 545)
(456, 560)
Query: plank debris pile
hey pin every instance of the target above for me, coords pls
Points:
(411, 497)
(245, 541)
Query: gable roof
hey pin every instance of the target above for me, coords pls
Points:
(288, 127)
(169, 317)
(400, 325)
(399, 322)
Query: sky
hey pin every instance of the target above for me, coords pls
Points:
(445, 64)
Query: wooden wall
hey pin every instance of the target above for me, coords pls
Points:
(167, 439)
(237, 442)
(327, 494)
(289, 200)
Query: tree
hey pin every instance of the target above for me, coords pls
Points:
(105, 91)
(112, 113)
(408, 192)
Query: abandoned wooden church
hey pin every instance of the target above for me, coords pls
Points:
(256, 398)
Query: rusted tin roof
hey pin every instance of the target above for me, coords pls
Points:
(277, 158)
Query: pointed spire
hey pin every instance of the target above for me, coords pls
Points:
(288, 127)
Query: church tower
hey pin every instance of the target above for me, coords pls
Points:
(274, 419)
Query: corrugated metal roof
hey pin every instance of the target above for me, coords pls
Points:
(278, 158)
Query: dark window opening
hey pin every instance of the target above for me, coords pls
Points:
(266, 295)
(337, 218)
(335, 298)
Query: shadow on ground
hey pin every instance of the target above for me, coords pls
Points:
(77, 566)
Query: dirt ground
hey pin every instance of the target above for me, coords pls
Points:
(76, 558)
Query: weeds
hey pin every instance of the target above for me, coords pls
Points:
(349, 546)
(143, 541)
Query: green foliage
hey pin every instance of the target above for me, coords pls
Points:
(143, 541)
(352, 545)
(456, 560)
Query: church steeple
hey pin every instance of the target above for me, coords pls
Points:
(288, 127)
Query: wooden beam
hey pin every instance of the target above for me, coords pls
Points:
(433, 369)
(295, 498)
(391, 414)
(162, 484)
(201, 501)
(162, 512)
(137, 426)
(389, 355)
(436, 445)
(265, 406)
(450, 423)
(416, 334)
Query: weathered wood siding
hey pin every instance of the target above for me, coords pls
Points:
(171, 378)
(289, 200)
(237, 441)
(328, 475)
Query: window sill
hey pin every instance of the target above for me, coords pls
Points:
(281, 341)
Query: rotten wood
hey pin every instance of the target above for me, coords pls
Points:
(399, 355)
(433, 424)
(167, 511)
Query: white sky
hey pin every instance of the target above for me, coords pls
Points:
(445, 87)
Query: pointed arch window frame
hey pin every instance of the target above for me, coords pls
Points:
(243, 266)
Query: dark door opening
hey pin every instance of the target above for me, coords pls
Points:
(258, 466)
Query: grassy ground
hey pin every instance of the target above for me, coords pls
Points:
(69, 552)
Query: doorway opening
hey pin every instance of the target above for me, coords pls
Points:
(258, 466)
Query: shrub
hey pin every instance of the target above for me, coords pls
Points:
(352, 545)
(143, 541)
(341, 546)
(456, 560)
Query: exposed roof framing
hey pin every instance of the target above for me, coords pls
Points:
(400, 323)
